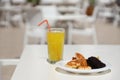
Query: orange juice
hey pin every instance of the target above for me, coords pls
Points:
(55, 39)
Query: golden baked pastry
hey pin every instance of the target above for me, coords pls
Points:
(81, 59)
(84, 67)
(78, 62)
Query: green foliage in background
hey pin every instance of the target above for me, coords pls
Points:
(92, 2)
(34, 2)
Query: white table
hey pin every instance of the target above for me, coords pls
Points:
(57, 16)
(33, 64)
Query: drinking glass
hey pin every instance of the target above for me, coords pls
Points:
(55, 40)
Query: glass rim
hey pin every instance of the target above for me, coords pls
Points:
(57, 29)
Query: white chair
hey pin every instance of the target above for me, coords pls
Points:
(51, 1)
(5, 12)
(47, 12)
(73, 1)
(5, 0)
(88, 30)
(18, 1)
(50, 13)
(32, 30)
(17, 20)
(117, 16)
(85, 32)
(37, 32)
(104, 2)
(104, 10)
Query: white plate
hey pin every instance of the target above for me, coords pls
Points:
(61, 64)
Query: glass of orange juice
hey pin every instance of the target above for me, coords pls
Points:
(55, 40)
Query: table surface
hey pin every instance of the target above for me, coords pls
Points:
(33, 64)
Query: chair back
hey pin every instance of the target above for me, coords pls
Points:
(18, 1)
(86, 29)
(51, 1)
(50, 13)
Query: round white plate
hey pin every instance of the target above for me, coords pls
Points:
(61, 64)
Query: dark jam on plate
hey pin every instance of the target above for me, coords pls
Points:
(95, 63)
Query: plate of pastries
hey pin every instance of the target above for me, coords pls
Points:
(79, 64)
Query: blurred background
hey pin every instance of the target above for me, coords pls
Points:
(86, 22)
